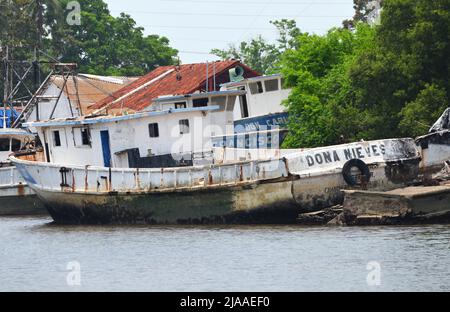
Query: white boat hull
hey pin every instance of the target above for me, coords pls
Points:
(260, 191)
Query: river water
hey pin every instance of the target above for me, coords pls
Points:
(39, 256)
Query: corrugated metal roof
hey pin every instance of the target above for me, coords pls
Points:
(91, 88)
(184, 79)
(83, 120)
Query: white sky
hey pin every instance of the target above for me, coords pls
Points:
(194, 27)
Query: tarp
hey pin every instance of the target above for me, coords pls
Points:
(9, 114)
(443, 123)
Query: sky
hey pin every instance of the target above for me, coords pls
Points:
(194, 27)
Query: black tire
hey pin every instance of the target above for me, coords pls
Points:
(352, 163)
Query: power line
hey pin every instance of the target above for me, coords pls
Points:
(205, 27)
(257, 3)
(196, 52)
(226, 14)
(208, 27)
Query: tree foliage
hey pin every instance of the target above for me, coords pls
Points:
(259, 54)
(372, 82)
(101, 44)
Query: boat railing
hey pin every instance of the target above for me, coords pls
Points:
(98, 179)
(9, 176)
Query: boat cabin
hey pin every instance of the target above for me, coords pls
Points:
(13, 140)
(175, 131)
(260, 108)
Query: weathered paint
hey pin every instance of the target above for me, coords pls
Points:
(434, 149)
(418, 204)
(248, 191)
(16, 198)
(265, 122)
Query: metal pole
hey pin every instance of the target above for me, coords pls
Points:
(6, 85)
(214, 70)
(207, 80)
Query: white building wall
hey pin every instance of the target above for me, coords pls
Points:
(134, 133)
(45, 107)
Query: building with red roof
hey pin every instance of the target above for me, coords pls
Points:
(169, 81)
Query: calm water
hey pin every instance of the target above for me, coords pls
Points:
(34, 256)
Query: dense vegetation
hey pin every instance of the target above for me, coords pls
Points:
(100, 43)
(369, 81)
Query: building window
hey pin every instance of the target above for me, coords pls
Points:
(153, 130)
(271, 85)
(4, 145)
(56, 138)
(16, 145)
(256, 87)
(180, 105)
(184, 126)
(85, 136)
(200, 102)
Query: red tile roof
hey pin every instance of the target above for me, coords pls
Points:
(183, 79)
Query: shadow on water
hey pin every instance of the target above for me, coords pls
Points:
(45, 223)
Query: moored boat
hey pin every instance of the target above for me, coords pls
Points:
(16, 198)
(272, 188)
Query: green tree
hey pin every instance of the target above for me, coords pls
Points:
(102, 44)
(373, 82)
(107, 45)
(261, 55)
(317, 72)
(418, 116)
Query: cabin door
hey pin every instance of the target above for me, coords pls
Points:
(104, 135)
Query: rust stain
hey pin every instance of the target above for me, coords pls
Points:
(86, 184)
(110, 180)
(137, 179)
(21, 189)
(210, 177)
(241, 174)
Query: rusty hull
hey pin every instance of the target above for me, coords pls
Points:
(262, 203)
(313, 193)
(19, 201)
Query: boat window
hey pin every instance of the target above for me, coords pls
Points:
(256, 87)
(180, 105)
(271, 85)
(85, 136)
(4, 145)
(153, 130)
(56, 138)
(231, 102)
(200, 102)
(244, 106)
(15, 145)
(184, 126)
(221, 101)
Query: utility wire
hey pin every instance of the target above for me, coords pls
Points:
(226, 14)
(258, 2)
